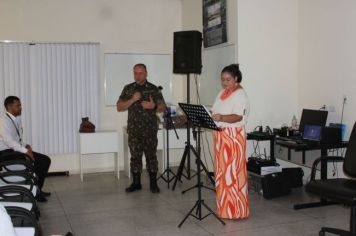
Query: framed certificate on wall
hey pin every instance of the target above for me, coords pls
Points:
(214, 22)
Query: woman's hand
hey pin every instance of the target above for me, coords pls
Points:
(217, 117)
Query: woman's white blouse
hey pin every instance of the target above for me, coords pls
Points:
(237, 103)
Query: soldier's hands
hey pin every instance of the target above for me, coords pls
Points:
(135, 97)
(148, 105)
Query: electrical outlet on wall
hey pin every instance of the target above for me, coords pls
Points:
(331, 108)
(344, 98)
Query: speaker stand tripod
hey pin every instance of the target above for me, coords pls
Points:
(168, 171)
(186, 155)
(187, 150)
(200, 118)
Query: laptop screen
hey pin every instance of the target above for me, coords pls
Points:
(312, 117)
(312, 132)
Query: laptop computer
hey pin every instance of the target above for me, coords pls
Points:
(312, 133)
(312, 117)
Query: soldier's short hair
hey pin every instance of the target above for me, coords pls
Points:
(140, 65)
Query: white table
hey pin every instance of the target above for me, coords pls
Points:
(100, 142)
(174, 143)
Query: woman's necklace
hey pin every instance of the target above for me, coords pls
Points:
(227, 92)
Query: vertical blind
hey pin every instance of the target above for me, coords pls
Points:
(58, 84)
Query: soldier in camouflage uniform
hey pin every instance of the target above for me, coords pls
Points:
(142, 100)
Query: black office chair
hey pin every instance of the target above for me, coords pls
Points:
(9, 160)
(340, 190)
(23, 218)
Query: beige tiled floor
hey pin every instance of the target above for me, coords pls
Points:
(100, 206)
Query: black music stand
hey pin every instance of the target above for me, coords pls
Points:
(200, 118)
(169, 125)
(186, 155)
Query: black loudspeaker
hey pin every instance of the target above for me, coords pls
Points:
(294, 176)
(275, 185)
(187, 52)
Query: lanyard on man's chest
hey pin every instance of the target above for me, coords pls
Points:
(16, 127)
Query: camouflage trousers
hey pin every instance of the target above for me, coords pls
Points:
(143, 143)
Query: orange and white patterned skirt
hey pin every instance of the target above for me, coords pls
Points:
(230, 173)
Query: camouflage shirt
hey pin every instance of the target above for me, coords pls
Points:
(140, 119)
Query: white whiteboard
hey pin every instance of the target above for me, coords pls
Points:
(214, 60)
(118, 73)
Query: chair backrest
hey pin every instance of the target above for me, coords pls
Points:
(6, 225)
(350, 155)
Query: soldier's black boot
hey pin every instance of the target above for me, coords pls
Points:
(136, 183)
(153, 182)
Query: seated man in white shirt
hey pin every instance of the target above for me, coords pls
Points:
(11, 134)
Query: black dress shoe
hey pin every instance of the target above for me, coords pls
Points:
(41, 198)
(45, 194)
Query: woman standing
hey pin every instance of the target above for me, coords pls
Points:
(230, 111)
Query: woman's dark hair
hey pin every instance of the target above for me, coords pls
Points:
(233, 70)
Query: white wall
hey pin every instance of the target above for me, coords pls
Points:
(266, 37)
(298, 54)
(267, 51)
(327, 58)
(268, 56)
(129, 26)
(293, 55)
